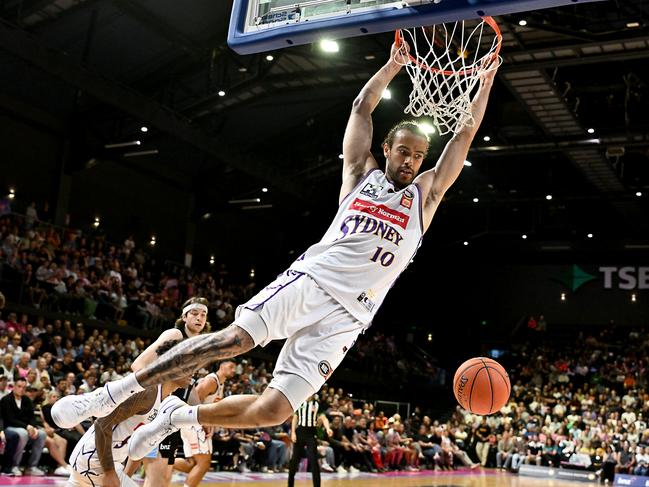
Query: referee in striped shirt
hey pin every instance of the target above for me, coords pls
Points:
(304, 433)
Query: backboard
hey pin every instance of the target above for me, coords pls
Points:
(263, 25)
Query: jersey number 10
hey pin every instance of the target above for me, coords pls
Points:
(385, 258)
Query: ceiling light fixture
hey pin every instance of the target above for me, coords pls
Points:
(221, 93)
(144, 129)
(486, 138)
(548, 197)
(387, 94)
(269, 57)
(327, 45)
(522, 22)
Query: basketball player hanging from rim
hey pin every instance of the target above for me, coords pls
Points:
(329, 295)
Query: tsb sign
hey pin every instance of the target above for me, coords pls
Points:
(625, 277)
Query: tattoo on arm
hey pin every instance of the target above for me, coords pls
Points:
(190, 355)
(140, 403)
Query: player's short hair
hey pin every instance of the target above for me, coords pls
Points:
(410, 126)
(180, 322)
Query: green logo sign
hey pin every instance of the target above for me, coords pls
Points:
(575, 277)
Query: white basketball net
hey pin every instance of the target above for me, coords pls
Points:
(445, 64)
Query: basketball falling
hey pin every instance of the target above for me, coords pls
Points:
(481, 386)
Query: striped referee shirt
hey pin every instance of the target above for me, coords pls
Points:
(307, 414)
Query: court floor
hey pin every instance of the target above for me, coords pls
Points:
(488, 478)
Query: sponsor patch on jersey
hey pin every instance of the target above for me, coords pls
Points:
(365, 299)
(381, 212)
(324, 368)
(406, 198)
(371, 190)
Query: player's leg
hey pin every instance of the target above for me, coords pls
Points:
(200, 468)
(181, 361)
(241, 411)
(158, 472)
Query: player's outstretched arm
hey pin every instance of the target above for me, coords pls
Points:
(357, 142)
(435, 182)
(140, 403)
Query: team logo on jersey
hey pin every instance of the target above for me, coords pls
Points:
(406, 199)
(371, 190)
(325, 369)
(381, 212)
(365, 298)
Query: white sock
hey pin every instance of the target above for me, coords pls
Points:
(185, 416)
(120, 390)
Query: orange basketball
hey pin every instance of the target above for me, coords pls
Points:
(481, 386)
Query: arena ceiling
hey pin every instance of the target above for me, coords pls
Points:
(224, 126)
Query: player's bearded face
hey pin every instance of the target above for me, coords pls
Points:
(404, 157)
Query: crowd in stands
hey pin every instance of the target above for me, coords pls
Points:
(584, 408)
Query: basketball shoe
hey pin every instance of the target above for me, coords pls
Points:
(71, 410)
(147, 437)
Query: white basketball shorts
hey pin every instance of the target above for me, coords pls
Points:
(196, 441)
(319, 332)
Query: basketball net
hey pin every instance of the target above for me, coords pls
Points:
(445, 62)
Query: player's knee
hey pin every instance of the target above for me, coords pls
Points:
(271, 412)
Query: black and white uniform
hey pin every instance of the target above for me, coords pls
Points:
(196, 440)
(331, 293)
(87, 470)
(306, 433)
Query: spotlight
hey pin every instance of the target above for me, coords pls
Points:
(563, 296)
(548, 197)
(633, 298)
(486, 138)
(524, 237)
(328, 45)
(269, 57)
(12, 193)
(591, 131)
(387, 94)
(144, 129)
(212, 260)
(590, 235)
(221, 93)
(96, 222)
(522, 22)
(465, 243)
(153, 241)
(468, 163)
(340, 156)
(426, 128)
(638, 193)
(264, 190)
(475, 200)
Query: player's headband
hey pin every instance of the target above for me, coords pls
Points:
(192, 306)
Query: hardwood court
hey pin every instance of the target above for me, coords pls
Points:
(422, 479)
(487, 478)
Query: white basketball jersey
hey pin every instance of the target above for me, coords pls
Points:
(218, 395)
(84, 458)
(372, 239)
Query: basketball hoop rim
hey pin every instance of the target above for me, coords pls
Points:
(398, 39)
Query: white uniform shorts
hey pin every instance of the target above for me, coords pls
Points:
(196, 441)
(318, 329)
(78, 480)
